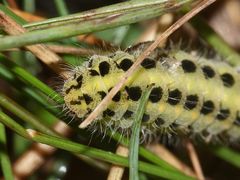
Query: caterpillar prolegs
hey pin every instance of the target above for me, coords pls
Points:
(190, 93)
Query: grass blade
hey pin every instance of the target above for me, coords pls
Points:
(27, 77)
(144, 152)
(124, 7)
(4, 158)
(61, 7)
(99, 20)
(7, 121)
(88, 151)
(227, 154)
(135, 136)
(19, 111)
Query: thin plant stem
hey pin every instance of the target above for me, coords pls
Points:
(135, 136)
(229, 155)
(195, 161)
(116, 172)
(61, 7)
(85, 150)
(4, 157)
(91, 21)
(19, 111)
(33, 81)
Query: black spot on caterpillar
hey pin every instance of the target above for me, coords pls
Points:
(208, 72)
(174, 97)
(188, 66)
(87, 98)
(191, 102)
(191, 94)
(227, 79)
(104, 68)
(156, 94)
(127, 114)
(148, 63)
(134, 93)
(93, 72)
(108, 112)
(125, 64)
(208, 107)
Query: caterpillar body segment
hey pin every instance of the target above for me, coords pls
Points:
(190, 94)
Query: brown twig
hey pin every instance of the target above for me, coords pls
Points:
(164, 154)
(153, 30)
(104, 103)
(195, 161)
(63, 49)
(71, 50)
(116, 172)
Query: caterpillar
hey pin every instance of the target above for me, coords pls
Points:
(190, 93)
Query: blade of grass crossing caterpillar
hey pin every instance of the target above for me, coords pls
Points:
(135, 136)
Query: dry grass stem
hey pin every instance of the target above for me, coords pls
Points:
(63, 49)
(195, 160)
(71, 50)
(116, 172)
(104, 103)
(167, 156)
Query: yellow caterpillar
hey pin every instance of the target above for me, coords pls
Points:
(190, 94)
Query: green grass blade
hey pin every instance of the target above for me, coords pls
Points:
(124, 7)
(144, 153)
(4, 158)
(227, 154)
(29, 6)
(7, 121)
(61, 7)
(18, 19)
(94, 22)
(88, 151)
(5, 2)
(155, 159)
(33, 81)
(135, 136)
(23, 114)
(26, 90)
(106, 156)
